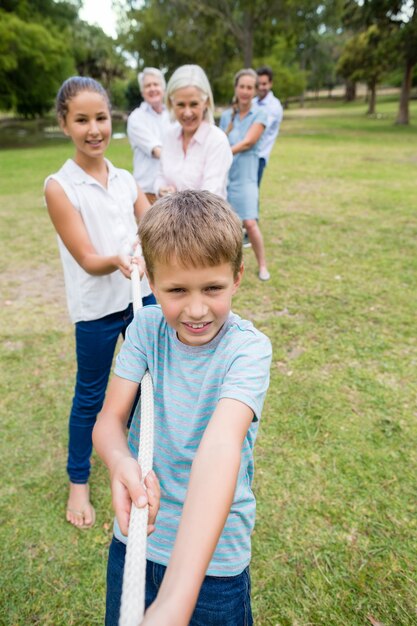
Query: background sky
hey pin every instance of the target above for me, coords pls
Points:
(100, 12)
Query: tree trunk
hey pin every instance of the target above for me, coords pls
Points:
(302, 68)
(350, 94)
(403, 116)
(248, 34)
(248, 50)
(371, 97)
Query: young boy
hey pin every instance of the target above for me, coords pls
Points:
(210, 371)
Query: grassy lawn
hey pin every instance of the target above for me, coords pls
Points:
(335, 541)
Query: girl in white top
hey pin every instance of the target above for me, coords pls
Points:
(93, 207)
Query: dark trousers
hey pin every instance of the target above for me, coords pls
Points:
(261, 167)
(223, 600)
(95, 343)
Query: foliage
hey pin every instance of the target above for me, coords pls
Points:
(289, 79)
(61, 14)
(132, 94)
(335, 538)
(230, 26)
(95, 54)
(367, 57)
(42, 43)
(161, 34)
(125, 93)
(398, 19)
(322, 70)
(235, 35)
(395, 77)
(34, 60)
(248, 24)
(360, 15)
(309, 23)
(301, 39)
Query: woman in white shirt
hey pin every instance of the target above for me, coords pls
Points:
(145, 128)
(196, 154)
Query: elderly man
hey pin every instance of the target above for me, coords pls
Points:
(145, 128)
(266, 101)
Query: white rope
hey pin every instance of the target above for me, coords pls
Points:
(133, 595)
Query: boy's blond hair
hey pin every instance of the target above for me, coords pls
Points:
(196, 228)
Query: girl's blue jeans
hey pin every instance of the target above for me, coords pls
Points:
(95, 343)
(223, 600)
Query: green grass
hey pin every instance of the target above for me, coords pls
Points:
(335, 542)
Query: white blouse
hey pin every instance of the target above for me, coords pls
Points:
(205, 164)
(108, 215)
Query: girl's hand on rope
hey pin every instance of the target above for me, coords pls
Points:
(137, 258)
(124, 264)
(140, 262)
(127, 487)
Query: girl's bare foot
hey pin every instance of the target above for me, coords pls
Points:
(80, 511)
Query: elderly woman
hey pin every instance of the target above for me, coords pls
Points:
(244, 125)
(145, 127)
(196, 154)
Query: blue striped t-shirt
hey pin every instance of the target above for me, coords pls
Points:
(188, 383)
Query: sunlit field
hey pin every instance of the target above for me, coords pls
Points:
(336, 459)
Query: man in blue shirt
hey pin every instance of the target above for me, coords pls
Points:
(266, 101)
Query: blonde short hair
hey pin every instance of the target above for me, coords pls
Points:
(196, 228)
(191, 76)
(247, 71)
(154, 72)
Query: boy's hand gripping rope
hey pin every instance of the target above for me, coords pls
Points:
(133, 594)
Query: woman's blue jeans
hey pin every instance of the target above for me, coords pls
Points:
(223, 600)
(95, 343)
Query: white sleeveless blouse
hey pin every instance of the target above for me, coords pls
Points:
(109, 218)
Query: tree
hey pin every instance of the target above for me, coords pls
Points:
(191, 28)
(164, 35)
(34, 62)
(289, 80)
(399, 20)
(96, 55)
(367, 57)
(249, 23)
(42, 42)
(224, 35)
(407, 39)
(322, 61)
(60, 14)
(310, 23)
(132, 94)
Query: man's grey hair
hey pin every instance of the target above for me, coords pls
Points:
(154, 72)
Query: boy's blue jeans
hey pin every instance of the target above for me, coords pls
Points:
(95, 345)
(223, 601)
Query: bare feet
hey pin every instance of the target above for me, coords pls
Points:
(80, 511)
